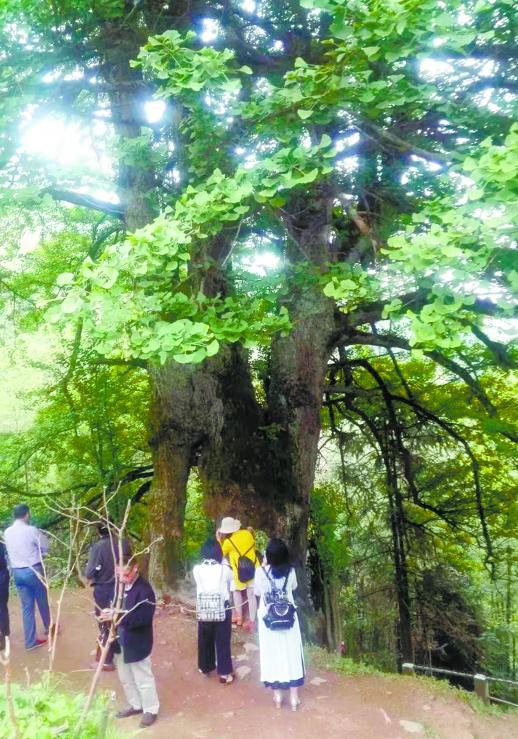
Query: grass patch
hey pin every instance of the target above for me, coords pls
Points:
(45, 711)
(319, 658)
(324, 660)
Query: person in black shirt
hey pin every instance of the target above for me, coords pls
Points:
(4, 597)
(135, 642)
(100, 571)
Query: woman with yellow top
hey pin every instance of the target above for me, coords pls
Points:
(238, 546)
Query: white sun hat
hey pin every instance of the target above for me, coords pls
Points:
(229, 525)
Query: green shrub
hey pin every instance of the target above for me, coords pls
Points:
(324, 660)
(44, 711)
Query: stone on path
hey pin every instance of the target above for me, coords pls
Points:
(242, 671)
(317, 681)
(411, 726)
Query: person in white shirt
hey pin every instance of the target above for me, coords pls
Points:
(26, 546)
(213, 577)
(280, 649)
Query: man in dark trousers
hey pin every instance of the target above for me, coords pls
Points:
(100, 571)
(135, 642)
(4, 597)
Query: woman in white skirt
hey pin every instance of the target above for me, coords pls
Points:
(280, 649)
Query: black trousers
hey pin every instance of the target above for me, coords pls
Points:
(103, 597)
(4, 597)
(214, 645)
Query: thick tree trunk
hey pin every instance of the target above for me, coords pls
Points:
(174, 430)
(172, 449)
(298, 367)
(166, 513)
(185, 413)
(255, 463)
(205, 416)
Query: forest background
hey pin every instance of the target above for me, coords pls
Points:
(259, 259)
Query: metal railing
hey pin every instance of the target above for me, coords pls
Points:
(480, 681)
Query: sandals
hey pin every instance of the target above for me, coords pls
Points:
(226, 679)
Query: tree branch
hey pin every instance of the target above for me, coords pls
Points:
(116, 362)
(398, 342)
(395, 142)
(87, 201)
(498, 350)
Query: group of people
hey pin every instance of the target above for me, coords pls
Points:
(230, 569)
(231, 566)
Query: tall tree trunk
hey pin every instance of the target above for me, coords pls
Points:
(206, 416)
(396, 513)
(298, 367)
(333, 618)
(171, 386)
(388, 447)
(172, 438)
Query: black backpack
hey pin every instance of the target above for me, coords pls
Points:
(280, 611)
(245, 566)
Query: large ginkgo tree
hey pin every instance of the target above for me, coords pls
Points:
(367, 147)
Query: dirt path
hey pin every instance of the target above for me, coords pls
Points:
(366, 707)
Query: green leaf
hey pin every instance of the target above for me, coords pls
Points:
(65, 278)
(192, 358)
(106, 276)
(325, 141)
(475, 193)
(71, 304)
(304, 114)
(212, 348)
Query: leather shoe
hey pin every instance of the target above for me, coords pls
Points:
(148, 719)
(127, 712)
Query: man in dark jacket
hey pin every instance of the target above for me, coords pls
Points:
(135, 643)
(100, 571)
(4, 597)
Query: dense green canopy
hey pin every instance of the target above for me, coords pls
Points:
(367, 153)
